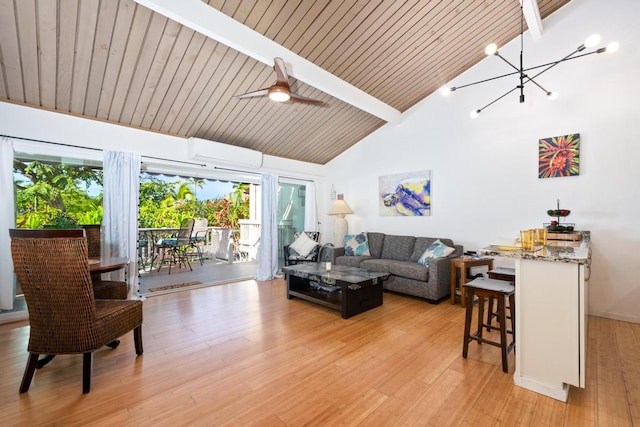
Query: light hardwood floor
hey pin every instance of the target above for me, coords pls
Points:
(242, 354)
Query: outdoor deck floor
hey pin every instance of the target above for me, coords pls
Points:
(210, 272)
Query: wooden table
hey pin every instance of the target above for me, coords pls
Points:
(464, 264)
(106, 264)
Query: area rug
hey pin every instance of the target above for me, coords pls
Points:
(177, 285)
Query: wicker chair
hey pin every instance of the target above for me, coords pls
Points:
(64, 316)
(102, 289)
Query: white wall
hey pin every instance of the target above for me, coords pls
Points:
(484, 171)
(20, 121)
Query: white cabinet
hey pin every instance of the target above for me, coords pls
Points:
(551, 326)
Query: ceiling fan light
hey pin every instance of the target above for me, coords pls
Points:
(592, 40)
(278, 94)
(491, 49)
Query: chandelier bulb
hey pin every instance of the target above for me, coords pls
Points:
(592, 40)
(491, 49)
(612, 47)
(552, 96)
(444, 91)
(474, 113)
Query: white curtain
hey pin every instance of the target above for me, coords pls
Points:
(268, 251)
(120, 220)
(310, 209)
(7, 221)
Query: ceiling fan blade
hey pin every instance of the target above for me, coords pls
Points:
(281, 72)
(261, 92)
(303, 99)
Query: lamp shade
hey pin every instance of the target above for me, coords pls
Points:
(340, 207)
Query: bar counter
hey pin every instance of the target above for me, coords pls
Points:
(551, 314)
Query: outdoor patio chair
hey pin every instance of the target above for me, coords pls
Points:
(175, 249)
(199, 237)
(52, 267)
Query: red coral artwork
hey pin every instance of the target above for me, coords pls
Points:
(559, 156)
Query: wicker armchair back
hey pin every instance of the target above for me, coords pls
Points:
(64, 316)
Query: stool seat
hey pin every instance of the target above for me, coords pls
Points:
(493, 285)
(500, 290)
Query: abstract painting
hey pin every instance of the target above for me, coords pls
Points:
(405, 194)
(559, 156)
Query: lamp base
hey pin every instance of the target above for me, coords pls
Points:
(340, 228)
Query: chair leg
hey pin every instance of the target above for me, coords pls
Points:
(42, 362)
(490, 314)
(480, 317)
(29, 370)
(114, 344)
(87, 367)
(467, 322)
(137, 339)
(512, 312)
(502, 318)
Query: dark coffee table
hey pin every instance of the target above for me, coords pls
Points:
(348, 289)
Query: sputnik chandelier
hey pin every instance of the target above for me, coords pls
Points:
(522, 72)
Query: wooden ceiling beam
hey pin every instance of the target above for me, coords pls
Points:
(531, 13)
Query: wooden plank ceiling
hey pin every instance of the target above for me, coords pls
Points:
(117, 61)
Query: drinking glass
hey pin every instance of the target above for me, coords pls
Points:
(527, 238)
(541, 236)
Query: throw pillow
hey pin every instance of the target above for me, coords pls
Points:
(436, 250)
(356, 245)
(303, 245)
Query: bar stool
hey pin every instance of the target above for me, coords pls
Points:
(499, 273)
(500, 290)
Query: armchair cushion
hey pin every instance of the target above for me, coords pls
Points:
(303, 245)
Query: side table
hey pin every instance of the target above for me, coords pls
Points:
(464, 264)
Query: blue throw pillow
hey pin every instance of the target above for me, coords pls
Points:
(356, 245)
(436, 250)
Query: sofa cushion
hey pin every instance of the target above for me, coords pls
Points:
(377, 264)
(422, 243)
(350, 261)
(436, 250)
(410, 270)
(398, 247)
(376, 240)
(356, 245)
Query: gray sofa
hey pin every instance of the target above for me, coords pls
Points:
(398, 255)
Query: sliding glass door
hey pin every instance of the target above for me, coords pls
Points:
(291, 212)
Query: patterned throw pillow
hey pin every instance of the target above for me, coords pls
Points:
(436, 250)
(356, 245)
(303, 245)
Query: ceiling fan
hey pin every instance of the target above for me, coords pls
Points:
(281, 91)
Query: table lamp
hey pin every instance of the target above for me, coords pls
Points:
(340, 208)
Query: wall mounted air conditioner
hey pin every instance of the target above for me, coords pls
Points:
(222, 154)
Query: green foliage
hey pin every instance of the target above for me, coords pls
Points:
(57, 196)
(166, 204)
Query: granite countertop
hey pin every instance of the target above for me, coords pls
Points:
(578, 252)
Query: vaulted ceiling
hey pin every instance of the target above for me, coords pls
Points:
(121, 62)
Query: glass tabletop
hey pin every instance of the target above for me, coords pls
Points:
(338, 272)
